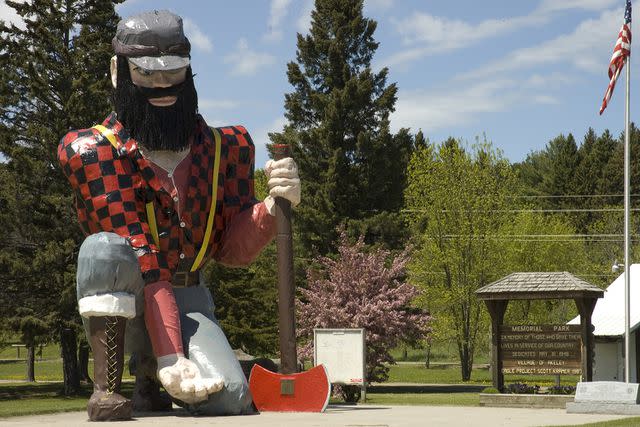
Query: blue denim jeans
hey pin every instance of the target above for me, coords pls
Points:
(108, 265)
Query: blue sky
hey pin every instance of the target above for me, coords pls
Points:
(519, 72)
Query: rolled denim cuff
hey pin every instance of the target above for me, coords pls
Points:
(111, 304)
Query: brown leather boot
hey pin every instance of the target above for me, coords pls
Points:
(107, 342)
(147, 396)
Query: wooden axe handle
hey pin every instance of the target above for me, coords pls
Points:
(286, 286)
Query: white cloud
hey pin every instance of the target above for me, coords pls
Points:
(453, 104)
(557, 78)
(524, 77)
(197, 38)
(9, 15)
(555, 5)
(303, 24)
(217, 104)
(424, 34)
(587, 48)
(261, 136)
(247, 62)
(277, 13)
(434, 110)
(261, 139)
(545, 100)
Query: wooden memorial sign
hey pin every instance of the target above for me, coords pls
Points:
(541, 349)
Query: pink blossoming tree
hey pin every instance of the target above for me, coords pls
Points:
(362, 289)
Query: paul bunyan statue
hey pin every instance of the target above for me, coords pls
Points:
(158, 195)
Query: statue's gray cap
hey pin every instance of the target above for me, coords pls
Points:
(153, 40)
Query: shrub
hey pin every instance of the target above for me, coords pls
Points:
(562, 389)
(522, 388)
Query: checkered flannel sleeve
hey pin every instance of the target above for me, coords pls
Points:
(108, 192)
(248, 225)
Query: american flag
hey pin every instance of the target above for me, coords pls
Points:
(621, 51)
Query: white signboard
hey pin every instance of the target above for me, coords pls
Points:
(342, 352)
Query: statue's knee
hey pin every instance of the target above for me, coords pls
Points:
(107, 265)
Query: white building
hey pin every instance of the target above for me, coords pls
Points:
(608, 320)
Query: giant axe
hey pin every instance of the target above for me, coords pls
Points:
(288, 391)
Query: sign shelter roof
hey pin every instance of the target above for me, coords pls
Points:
(539, 285)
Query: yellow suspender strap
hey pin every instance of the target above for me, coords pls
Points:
(151, 214)
(153, 226)
(214, 200)
(107, 133)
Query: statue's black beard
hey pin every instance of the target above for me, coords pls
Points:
(156, 128)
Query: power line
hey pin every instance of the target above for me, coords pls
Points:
(569, 196)
(440, 273)
(523, 210)
(533, 235)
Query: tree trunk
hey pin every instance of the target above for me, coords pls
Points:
(427, 362)
(31, 361)
(83, 362)
(68, 348)
(465, 362)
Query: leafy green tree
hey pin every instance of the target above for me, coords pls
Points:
(533, 241)
(53, 77)
(32, 331)
(352, 167)
(457, 200)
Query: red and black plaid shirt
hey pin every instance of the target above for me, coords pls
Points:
(112, 187)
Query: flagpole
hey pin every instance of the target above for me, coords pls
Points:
(627, 197)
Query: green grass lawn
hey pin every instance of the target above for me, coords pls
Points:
(446, 399)
(45, 370)
(50, 351)
(626, 422)
(51, 370)
(44, 398)
(448, 374)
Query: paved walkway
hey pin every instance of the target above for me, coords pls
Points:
(344, 416)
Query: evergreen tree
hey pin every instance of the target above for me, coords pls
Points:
(247, 298)
(594, 153)
(351, 166)
(53, 77)
(563, 161)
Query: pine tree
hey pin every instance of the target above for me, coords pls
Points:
(53, 77)
(247, 298)
(351, 166)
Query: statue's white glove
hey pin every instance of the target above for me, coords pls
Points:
(283, 181)
(182, 380)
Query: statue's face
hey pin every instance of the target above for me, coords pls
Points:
(158, 79)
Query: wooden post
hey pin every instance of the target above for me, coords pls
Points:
(496, 308)
(286, 285)
(637, 336)
(585, 308)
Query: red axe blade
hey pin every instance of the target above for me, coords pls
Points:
(303, 392)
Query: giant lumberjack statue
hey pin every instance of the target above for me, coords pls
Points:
(158, 194)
